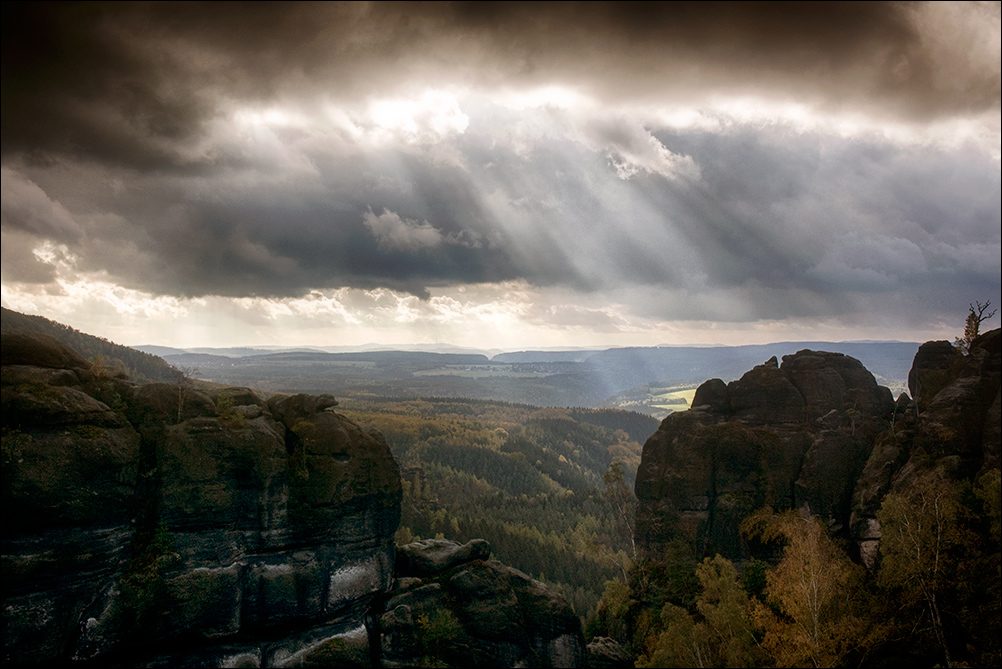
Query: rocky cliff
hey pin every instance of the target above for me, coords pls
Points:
(814, 433)
(171, 524)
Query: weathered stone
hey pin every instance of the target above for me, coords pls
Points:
(291, 409)
(936, 357)
(480, 614)
(784, 435)
(38, 350)
(155, 404)
(431, 556)
(829, 474)
(247, 526)
(12, 375)
(606, 653)
(712, 394)
(766, 396)
(330, 646)
(237, 396)
(954, 428)
(186, 527)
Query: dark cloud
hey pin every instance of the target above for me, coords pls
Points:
(772, 212)
(137, 84)
(120, 145)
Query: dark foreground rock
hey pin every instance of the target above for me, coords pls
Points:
(171, 524)
(468, 611)
(162, 524)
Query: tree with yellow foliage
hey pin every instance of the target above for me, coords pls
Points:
(813, 614)
(919, 529)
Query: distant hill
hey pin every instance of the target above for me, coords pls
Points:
(546, 356)
(624, 368)
(161, 351)
(138, 365)
(581, 378)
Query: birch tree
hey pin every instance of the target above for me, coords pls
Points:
(919, 528)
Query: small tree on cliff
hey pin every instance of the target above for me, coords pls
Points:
(975, 317)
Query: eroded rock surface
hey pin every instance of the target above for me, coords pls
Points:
(467, 611)
(607, 653)
(952, 427)
(161, 524)
(790, 435)
(177, 524)
(815, 433)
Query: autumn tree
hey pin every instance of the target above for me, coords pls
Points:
(975, 317)
(720, 634)
(813, 613)
(919, 529)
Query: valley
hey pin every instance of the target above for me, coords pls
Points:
(651, 380)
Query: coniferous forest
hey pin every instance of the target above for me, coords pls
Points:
(530, 480)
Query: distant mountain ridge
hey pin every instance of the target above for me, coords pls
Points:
(585, 378)
(633, 366)
(578, 377)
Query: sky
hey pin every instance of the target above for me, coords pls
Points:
(501, 175)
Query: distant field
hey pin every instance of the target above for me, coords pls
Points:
(676, 400)
(480, 372)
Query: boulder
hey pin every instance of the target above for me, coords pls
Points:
(476, 612)
(933, 359)
(431, 556)
(606, 653)
(38, 350)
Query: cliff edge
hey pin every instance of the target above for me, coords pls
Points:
(182, 524)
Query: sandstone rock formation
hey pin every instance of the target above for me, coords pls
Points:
(952, 426)
(250, 531)
(817, 434)
(468, 611)
(795, 435)
(170, 524)
(607, 653)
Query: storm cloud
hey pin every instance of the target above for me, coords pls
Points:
(683, 162)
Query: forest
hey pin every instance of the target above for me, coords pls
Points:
(532, 481)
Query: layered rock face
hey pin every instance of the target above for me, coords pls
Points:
(815, 433)
(163, 525)
(952, 426)
(452, 604)
(795, 435)
(159, 524)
